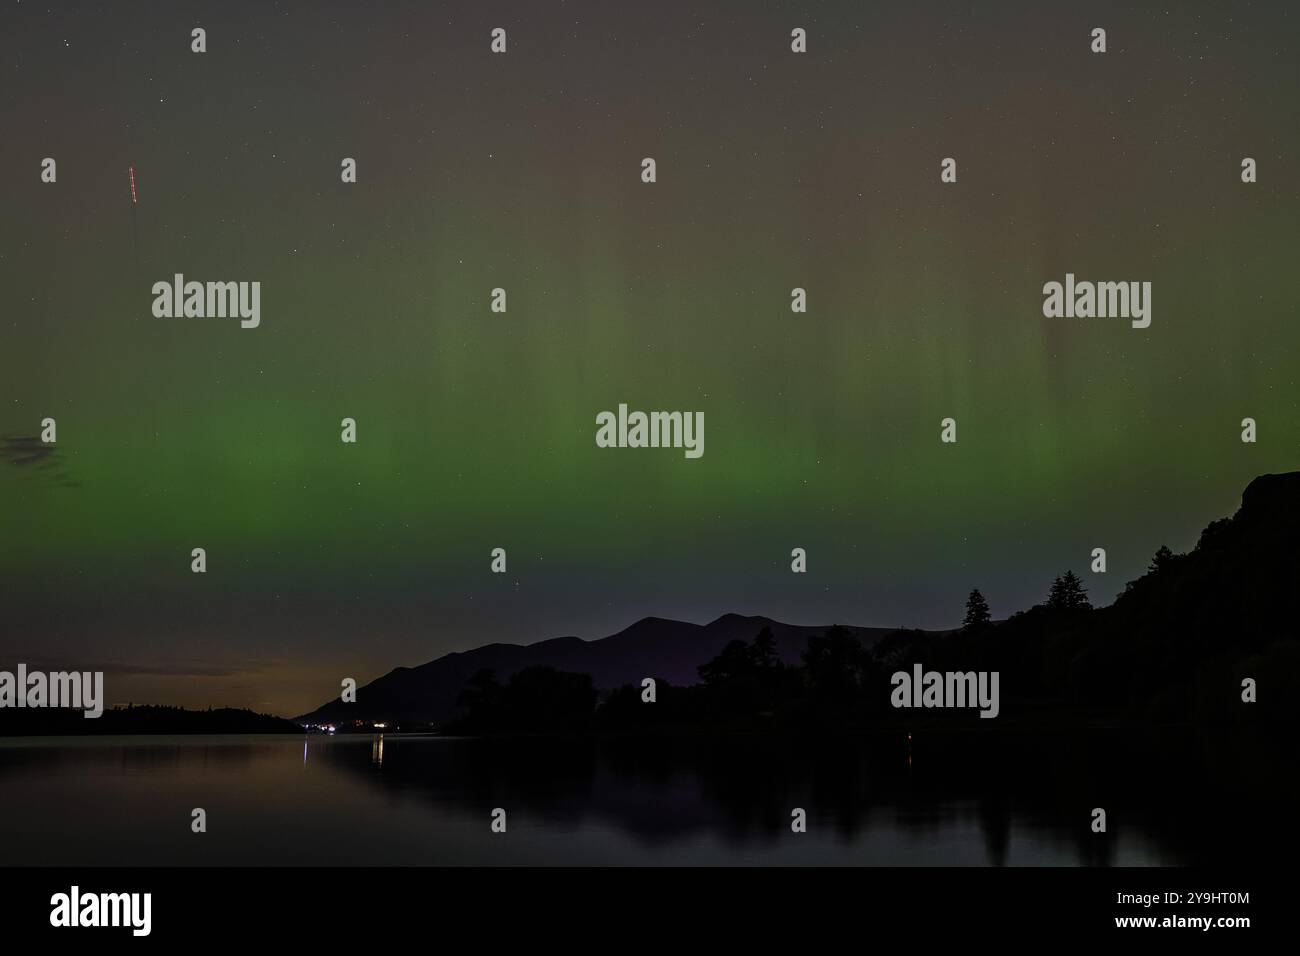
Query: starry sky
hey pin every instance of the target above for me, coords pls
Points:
(522, 171)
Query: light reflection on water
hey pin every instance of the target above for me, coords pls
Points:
(394, 799)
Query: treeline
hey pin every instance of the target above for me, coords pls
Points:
(150, 719)
(840, 683)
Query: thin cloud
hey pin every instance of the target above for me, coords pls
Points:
(26, 450)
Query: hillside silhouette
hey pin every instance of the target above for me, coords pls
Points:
(1175, 646)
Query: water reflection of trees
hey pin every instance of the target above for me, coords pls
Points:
(741, 789)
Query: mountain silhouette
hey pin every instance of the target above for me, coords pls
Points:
(1178, 643)
(652, 647)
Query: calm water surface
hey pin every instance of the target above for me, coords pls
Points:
(292, 800)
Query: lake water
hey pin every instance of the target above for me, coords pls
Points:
(418, 800)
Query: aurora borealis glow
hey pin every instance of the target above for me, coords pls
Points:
(521, 171)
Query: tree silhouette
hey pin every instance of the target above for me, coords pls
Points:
(977, 612)
(1161, 559)
(733, 661)
(763, 650)
(1068, 594)
(745, 679)
(835, 665)
(542, 698)
(481, 693)
(535, 699)
(739, 660)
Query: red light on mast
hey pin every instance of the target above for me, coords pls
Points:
(131, 171)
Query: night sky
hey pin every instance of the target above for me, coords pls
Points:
(477, 430)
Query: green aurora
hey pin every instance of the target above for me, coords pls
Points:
(476, 430)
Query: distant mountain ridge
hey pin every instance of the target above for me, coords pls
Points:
(652, 647)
